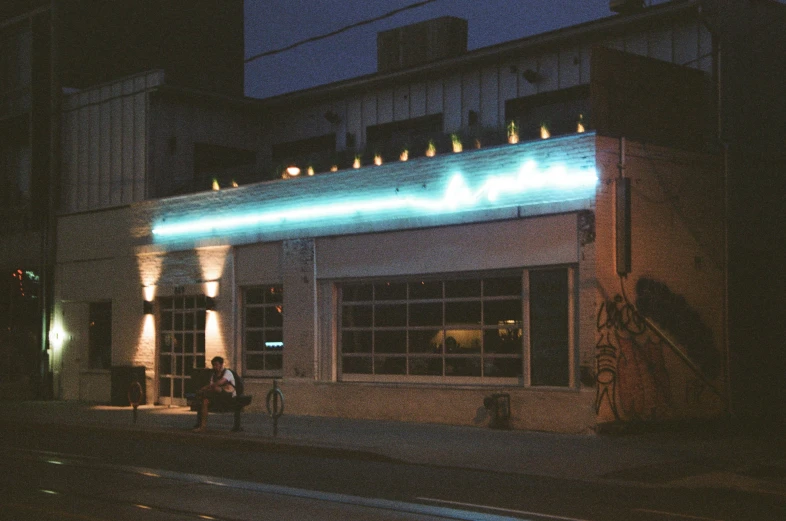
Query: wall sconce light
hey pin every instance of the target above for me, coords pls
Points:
(293, 170)
(210, 304)
(147, 307)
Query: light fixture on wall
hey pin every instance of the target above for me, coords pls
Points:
(210, 303)
(147, 307)
(293, 170)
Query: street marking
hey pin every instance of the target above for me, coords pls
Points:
(498, 509)
(674, 514)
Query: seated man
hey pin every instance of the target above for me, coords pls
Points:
(219, 391)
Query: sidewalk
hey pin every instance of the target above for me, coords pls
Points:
(722, 458)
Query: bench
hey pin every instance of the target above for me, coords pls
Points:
(201, 377)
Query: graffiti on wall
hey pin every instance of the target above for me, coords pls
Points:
(632, 379)
(631, 371)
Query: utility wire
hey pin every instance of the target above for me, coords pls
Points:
(338, 31)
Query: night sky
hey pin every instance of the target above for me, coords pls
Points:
(273, 24)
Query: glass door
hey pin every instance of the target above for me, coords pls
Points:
(181, 346)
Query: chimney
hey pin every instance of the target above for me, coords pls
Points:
(626, 6)
(419, 43)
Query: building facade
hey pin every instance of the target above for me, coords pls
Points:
(50, 49)
(544, 218)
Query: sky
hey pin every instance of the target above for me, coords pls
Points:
(273, 24)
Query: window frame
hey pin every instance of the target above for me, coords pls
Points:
(245, 328)
(526, 348)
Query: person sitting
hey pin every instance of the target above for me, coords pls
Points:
(220, 391)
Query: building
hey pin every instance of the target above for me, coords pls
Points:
(543, 219)
(52, 47)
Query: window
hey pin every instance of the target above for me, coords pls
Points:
(263, 332)
(100, 335)
(559, 110)
(181, 345)
(549, 327)
(457, 328)
(390, 139)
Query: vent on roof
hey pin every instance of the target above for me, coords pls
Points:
(626, 6)
(422, 42)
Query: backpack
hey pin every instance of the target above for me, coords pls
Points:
(238, 383)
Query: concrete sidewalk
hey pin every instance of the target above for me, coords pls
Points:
(718, 458)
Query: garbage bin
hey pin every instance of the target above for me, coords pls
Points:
(122, 376)
(498, 405)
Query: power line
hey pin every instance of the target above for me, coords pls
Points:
(338, 31)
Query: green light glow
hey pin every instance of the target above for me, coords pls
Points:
(530, 185)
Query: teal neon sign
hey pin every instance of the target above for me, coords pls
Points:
(529, 185)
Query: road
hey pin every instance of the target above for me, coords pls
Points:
(58, 472)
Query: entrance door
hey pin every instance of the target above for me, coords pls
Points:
(181, 345)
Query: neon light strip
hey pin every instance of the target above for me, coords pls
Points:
(497, 191)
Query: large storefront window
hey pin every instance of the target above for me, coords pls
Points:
(457, 328)
(263, 337)
(181, 345)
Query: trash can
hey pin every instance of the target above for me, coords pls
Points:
(122, 376)
(498, 405)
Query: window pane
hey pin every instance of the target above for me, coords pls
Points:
(425, 341)
(178, 322)
(255, 317)
(429, 289)
(166, 320)
(274, 316)
(390, 315)
(462, 313)
(164, 386)
(189, 321)
(502, 312)
(425, 366)
(462, 341)
(255, 362)
(273, 362)
(503, 341)
(356, 341)
(356, 316)
(166, 342)
(356, 365)
(462, 288)
(462, 366)
(356, 292)
(502, 367)
(390, 291)
(502, 286)
(274, 335)
(200, 325)
(255, 340)
(274, 295)
(429, 314)
(390, 365)
(165, 364)
(200, 342)
(255, 295)
(549, 351)
(390, 342)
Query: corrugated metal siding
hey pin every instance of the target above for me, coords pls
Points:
(485, 90)
(104, 143)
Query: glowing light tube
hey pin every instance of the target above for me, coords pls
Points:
(556, 183)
